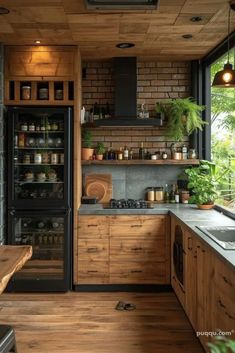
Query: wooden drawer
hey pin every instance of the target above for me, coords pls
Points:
(93, 272)
(93, 226)
(93, 249)
(225, 280)
(137, 249)
(136, 226)
(224, 314)
(137, 272)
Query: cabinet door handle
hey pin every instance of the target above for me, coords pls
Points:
(190, 243)
(136, 271)
(92, 225)
(227, 281)
(92, 271)
(136, 225)
(92, 249)
(136, 249)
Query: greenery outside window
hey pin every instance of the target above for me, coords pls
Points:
(223, 134)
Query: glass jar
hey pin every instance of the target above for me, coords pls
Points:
(31, 127)
(150, 194)
(26, 159)
(37, 158)
(24, 127)
(159, 194)
(59, 94)
(43, 93)
(184, 196)
(26, 92)
(192, 153)
(54, 158)
(45, 158)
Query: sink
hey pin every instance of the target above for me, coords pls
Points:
(222, 235)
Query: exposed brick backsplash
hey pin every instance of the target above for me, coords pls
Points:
(155, 139)
(155, 81)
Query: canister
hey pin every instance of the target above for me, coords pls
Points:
(37, 158)
(150, 194)
(43, 93)
(158, 193)
(26, 92)
(54, 158)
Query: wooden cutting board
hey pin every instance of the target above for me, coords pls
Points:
(100, 186)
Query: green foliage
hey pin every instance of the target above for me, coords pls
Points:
(100, 149)
(203, 181)
(184, 116)
(222, 344)
(87, 138)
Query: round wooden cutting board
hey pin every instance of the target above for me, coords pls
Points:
(96, 189)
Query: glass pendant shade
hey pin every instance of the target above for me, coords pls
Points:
(225, 77)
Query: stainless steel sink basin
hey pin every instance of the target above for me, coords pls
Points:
(222, 235)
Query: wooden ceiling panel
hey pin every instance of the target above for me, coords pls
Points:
(155, 33)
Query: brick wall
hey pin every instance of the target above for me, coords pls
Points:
(2, 200)
(155, 81)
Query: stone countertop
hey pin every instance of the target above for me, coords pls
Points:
(190, 215)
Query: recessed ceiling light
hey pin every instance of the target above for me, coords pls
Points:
(4, 11)
(37, 41)
(125, 45)
(187, 36)
(196, 19)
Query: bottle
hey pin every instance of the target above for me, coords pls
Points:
(166, 194)
(141, 151)
(131, 154)
(120, 154)
(32, 126)
(184, 151)
(172, 194)
(126, 153)
(177, 195)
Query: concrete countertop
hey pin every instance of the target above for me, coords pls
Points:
(190, 215)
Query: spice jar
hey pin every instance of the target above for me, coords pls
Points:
(43, 93)
(26, 159)
(54, 158)
(150, 194)
(184, 196)
(24, 127)
(59, 94)
(31, 127)
(26, 92)
(159, 194)
(37, 158)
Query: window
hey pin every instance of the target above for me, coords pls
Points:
(223, 135)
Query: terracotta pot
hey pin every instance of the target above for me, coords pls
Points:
(87, 153)
(99, 157)
(205, 207)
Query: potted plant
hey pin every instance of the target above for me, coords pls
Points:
(87, 150)
(203, 181)
(183, 116)
(100, 149)
(222, 344)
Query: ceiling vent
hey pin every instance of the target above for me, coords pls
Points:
(121, 4)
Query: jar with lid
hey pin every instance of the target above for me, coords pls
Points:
(26, 92)
(159, 194)
(184, 196)
(59, 94)
(32, 126)
(192, 153)
(43, 93)
(184, 151)
(54, 158)
(26, 159)
(37, 158)
(24, 127)
(164, 155)
(54, 126)
(150, 193)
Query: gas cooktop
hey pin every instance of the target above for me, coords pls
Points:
(127, 204)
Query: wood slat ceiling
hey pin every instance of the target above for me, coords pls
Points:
(156, 34)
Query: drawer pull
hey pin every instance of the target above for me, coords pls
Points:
(136, 225)
(227, 281)
(136, 249)
(92, 271)
(92, 250)
(136, 271)
(92, 225)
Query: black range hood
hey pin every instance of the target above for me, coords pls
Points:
(125, 105)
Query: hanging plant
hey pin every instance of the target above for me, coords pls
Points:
(183, 117)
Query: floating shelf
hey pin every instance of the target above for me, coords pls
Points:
(143, 162)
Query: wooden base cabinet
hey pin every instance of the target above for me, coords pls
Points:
(123, 250)
(208, 295)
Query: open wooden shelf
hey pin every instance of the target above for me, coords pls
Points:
(143, 162)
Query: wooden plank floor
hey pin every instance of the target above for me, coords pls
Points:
(88, 323)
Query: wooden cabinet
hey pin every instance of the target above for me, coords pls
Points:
(208, 290)
(123, 249)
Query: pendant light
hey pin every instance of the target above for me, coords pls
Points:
(226, 77)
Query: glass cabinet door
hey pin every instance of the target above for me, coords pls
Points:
(39, 167)
(47, 237)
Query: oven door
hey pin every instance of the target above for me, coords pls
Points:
(178, 260)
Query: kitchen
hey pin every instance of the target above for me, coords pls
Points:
(110, 255)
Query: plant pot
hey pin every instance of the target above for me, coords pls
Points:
(99, 157)
(87, 153)
(205, 207)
